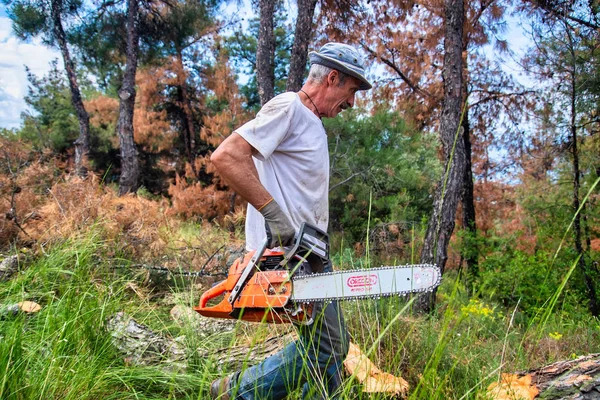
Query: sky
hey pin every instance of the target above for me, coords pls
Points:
(14, 55)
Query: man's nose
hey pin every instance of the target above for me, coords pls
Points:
(351, 100)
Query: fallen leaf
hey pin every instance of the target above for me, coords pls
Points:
(513, 387)
(370, 376)
(29, 306)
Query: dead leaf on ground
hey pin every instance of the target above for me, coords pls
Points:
(29, 306)
(370, 376)
(513, 387)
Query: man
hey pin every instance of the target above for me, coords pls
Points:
(279, 163)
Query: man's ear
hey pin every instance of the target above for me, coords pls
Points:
(333, 78)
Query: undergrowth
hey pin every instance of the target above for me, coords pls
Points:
(65, 351)
(80, 265)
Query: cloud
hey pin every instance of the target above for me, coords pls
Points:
(17, 54)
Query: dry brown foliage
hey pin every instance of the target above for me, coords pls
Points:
(218, 126)
(194, 199)
(132, 223)
(152, 130)
(145, 230)
(23, 180)
(513, 387)
(212, 200)
(131, 226)
(103, 111)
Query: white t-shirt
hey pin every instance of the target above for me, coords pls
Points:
(292, 161)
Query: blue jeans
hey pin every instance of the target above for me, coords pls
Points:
(314, 361)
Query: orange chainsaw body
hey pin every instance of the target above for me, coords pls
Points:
(265, 297)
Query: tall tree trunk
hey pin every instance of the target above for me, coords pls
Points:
(469, 251)
(130, 170)
(302, 35)
(189, 134)
(589, 282)
(447, 196)
(82, 144)
(265, 53)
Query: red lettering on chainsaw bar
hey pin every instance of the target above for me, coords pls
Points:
(361, 281)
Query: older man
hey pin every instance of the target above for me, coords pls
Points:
(279, 163)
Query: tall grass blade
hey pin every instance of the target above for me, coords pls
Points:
(553, 300)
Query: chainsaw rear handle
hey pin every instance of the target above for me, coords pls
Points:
(211, 293)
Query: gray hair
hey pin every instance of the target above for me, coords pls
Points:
(318, 72)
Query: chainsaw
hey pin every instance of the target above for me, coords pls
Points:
(276, 286)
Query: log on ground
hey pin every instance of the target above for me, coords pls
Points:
(577, 379)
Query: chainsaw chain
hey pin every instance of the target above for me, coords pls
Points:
(165, 270)
(368, 296)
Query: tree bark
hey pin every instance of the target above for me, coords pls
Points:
(265, 52)
(469, 251)
(188, 125)
(130, 170)
(140, 345)
(82, 144)
(582, 263)
(302, 35)
(448, 192)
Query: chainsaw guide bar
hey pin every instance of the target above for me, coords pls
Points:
(369, 283)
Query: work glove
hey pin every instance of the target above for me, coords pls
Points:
(280, 231)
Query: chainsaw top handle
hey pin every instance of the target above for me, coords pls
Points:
(309, 241)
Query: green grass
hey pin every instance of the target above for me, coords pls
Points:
(64, 351)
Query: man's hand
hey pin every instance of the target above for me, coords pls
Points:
(280, 231)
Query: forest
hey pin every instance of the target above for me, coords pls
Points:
(467, 154)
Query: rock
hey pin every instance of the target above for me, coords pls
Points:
(9, 310)
(139, 345)
(8, 267)
(234, 254)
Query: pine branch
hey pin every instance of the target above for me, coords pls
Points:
(396, 69)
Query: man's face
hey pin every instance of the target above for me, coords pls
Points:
(340, 97)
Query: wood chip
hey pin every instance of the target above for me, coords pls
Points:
(370, 376)
(513, 387)
(29, 306)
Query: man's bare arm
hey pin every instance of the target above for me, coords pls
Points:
(233, 161)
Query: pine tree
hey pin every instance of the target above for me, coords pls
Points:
(130, 171)
(33, 18)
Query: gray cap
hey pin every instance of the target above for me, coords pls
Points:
(343, 58)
